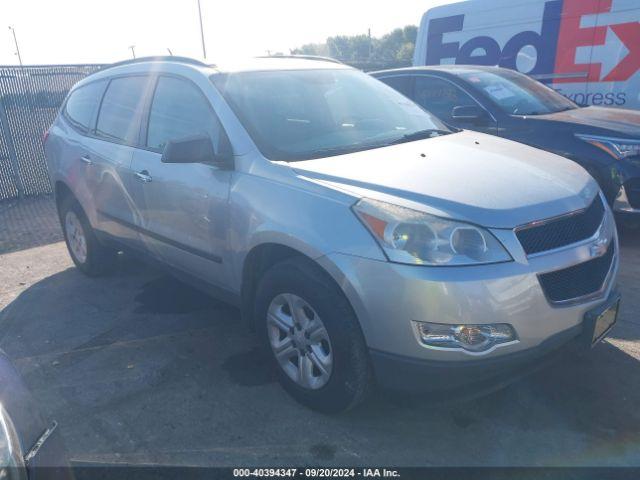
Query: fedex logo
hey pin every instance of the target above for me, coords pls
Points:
(563, 34)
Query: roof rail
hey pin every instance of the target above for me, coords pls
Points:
(160, 58)
(305, 57)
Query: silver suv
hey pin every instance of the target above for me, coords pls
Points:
(362, 239)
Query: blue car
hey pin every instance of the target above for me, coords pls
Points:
(509, 104)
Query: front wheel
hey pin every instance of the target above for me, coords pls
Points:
(313, 337)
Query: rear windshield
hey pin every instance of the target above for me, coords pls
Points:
(303, 114)
(517, 94)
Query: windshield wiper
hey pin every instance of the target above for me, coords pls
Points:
(356, 147)
(330, 151)
(565, 109)
(419, 135)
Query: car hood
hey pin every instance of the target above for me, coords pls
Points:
(603, 121)
(468, 176)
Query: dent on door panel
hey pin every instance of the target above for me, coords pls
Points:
(115, 207)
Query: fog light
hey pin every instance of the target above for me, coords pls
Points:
(473, 338)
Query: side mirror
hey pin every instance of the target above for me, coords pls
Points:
(199, 149)
(468, 113)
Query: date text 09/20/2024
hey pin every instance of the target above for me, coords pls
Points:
(316, 472)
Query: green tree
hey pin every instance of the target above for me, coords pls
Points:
(405, 53)
(394, 49)
(311, 49)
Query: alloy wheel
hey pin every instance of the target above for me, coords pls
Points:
(300, 341)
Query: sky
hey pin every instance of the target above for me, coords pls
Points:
(92, 31)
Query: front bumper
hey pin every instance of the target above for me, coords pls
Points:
(388, 297)
(408, 374)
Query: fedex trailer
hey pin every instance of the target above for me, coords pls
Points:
(588, 50)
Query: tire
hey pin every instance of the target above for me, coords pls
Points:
(338, 371)
(94, 259)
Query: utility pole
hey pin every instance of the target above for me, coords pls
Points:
(204, 50)
(133, 50)
(15, 40)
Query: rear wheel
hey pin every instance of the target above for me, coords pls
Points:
(86, 251)
(313, 337)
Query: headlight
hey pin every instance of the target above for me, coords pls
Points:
(618, 148)
(410, 236)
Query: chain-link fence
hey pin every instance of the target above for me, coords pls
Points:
(29, 100)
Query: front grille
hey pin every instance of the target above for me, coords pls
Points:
(562, 231)
(578, 281)
(632, 187)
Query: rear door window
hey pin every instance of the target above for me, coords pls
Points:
(82, 104)
(122, 108)
(180, 110)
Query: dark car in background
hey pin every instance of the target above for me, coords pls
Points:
(30, 447)
(502, 102)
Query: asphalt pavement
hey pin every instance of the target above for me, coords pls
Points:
(141, 369)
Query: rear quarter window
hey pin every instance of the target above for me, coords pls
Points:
(82, 104)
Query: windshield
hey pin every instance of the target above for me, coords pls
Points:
(517, 94)
(302, 114)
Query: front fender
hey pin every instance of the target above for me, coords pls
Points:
(315, 224)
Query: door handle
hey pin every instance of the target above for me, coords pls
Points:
(143, 176)
(86, 160)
